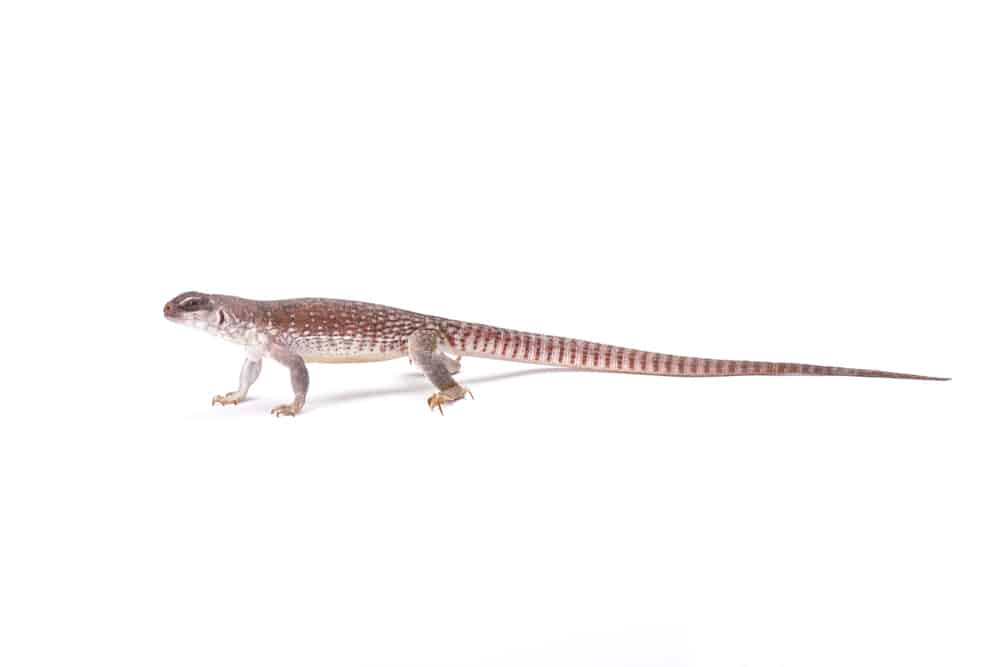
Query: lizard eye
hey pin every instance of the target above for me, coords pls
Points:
(221, 318)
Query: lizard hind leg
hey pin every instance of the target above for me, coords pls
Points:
(453, 365)
(424, 351)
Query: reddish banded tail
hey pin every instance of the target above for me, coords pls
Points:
(476, 340)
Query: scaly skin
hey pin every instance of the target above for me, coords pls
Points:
(295, 332)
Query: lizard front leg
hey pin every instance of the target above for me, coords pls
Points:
(247, 376)
(299, 379)
(439, 368)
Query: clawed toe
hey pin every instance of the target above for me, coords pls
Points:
(440, 398)
(436, 401)
(232, 398)
(286, 410)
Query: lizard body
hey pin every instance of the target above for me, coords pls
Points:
(295, 332)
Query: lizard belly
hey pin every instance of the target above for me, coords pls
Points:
(348, 358)
(344, 350)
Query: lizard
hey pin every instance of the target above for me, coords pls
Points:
(296, 332)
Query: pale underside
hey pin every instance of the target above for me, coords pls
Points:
(350, 358)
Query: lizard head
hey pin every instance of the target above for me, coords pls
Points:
(196, 309)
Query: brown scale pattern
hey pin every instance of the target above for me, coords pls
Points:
(479, 340)
(351, 328)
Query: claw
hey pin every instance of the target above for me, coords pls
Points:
(440, 398)
(286, 410)
(228, 399)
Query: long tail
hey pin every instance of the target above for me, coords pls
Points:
(479, 340)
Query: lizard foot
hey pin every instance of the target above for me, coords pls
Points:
(286, 410)
(232, 398)
(455, 393)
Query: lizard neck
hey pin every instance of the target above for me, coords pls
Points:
(240, 321)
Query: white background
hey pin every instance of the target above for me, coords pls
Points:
(777, 180)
